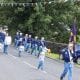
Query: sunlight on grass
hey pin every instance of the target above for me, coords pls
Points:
(52, 55)
(56, 56)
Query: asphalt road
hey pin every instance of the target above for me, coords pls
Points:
(13, 67)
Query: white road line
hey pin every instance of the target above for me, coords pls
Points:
(13, 56)
(33, 66)
(30, 65)
(44, 72)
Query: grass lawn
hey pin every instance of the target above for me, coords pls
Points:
(78, 65)
(56, 56)
(52, 55)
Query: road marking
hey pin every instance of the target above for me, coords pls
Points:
(44, 72)
(30, 65)
(13, 56)
(33, 66)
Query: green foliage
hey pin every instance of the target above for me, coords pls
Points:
(51, 20)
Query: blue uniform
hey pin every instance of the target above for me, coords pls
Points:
(16, 40)
(68, 59)
(28, 47)
(20, 40)
(17, 37)
(2, 37)
(34, 42)
(34, 46)
(41, 44)
(25, 42)
(29, 40)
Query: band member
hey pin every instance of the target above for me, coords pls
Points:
(68, 62)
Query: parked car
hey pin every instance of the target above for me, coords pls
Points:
(76, 55)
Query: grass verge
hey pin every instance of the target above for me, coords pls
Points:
(56, 56)
(52, 55)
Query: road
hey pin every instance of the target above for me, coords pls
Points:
(13, 67)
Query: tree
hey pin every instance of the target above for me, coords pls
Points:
(51, 19)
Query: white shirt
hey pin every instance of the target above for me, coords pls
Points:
(70, 56)
(8, 40)
(21, 48)
(42, 54)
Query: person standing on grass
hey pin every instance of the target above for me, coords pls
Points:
(42, 58)
(68, 62)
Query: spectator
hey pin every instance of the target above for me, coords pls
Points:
(7, 42)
